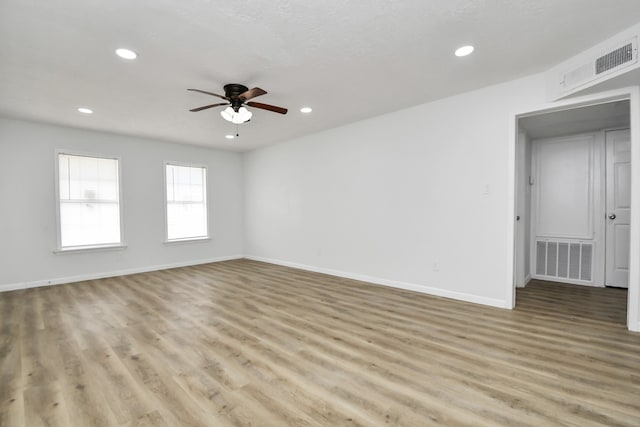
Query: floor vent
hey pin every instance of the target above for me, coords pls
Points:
(571, 260)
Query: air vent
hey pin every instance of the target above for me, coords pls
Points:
(615, 58)
(596, 70)
(570, 260)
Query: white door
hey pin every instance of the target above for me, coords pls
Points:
(618, 145)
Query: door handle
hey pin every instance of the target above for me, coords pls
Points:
(612, 216)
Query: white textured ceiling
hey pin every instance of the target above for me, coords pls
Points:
(348, 60)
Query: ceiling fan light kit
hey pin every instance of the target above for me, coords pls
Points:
(237, 96)
(239, 117)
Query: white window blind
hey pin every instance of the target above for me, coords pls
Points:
(89, 201)
(186, 202)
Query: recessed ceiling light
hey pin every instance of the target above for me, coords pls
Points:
(229, 136)
(464, 50)
(85, 110)
(306, 109)
(126, 54)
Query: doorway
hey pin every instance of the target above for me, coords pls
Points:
(591, 249)
(579, 185)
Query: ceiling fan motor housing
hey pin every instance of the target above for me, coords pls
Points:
(231, 91)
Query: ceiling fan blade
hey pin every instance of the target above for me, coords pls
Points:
(209, 93)
(251, 93)
(268, 107)
(209, 106)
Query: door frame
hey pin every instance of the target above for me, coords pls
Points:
(632, 94)
(610, 184)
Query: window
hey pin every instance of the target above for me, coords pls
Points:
(186, 202)
(88, 201)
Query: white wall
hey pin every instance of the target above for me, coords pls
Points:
(416, 198)
(27, 206)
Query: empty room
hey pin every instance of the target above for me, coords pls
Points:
(274, 213)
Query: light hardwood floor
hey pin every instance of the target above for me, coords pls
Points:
(247, 343)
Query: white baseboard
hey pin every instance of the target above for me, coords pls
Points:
(363, 278)
(567, 280)
(460, 296)
(93, 276)
(526, 282)
(634, 327)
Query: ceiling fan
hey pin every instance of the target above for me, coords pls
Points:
(237, 96)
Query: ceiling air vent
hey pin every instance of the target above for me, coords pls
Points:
(596, 70)
(615, 58)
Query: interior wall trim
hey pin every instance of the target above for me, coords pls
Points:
(115, 273)
(429, 290)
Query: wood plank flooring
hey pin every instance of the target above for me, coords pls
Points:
(251, 344)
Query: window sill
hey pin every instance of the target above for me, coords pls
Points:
(82, 249)
(187, 240)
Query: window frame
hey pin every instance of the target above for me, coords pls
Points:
(166, 203)
(59, 249)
